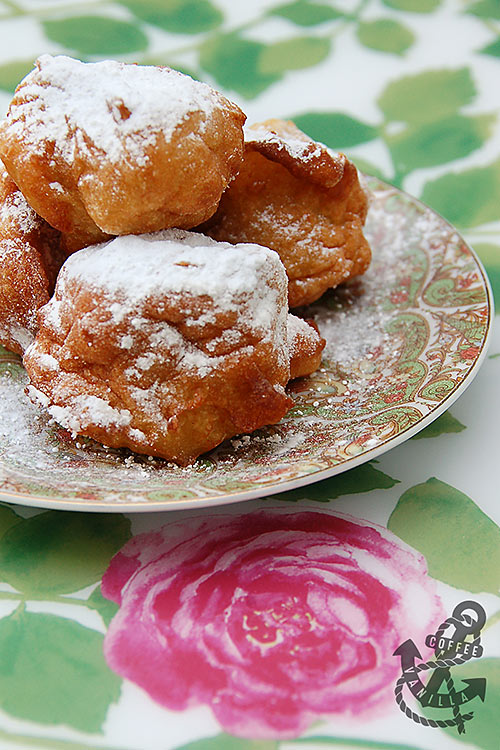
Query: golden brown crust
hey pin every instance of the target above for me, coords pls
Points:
(305, 346)
(30, 258)
(149, 179)
(82, 237)
(300, 201)
(169, 374)
(282, 142)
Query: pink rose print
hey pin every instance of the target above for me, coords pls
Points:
(272, 618)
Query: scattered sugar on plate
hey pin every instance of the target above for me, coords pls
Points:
(38, 454)
(353, 318)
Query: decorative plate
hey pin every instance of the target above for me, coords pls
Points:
(403, 342)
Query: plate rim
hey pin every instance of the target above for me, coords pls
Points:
(138, 506)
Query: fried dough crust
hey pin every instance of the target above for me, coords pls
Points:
(110, 148)
(292, 195)
(168, 364)
(30, 258)
(305, 346)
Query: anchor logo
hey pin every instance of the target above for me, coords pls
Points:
(467, 619)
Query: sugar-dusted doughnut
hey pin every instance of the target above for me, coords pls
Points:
(114, 148)
(30, 258)
(292, 195)
(165, 343)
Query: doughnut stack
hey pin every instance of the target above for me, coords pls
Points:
(150, 249)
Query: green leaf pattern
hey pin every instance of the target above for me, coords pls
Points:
(96, 35)
(444, 424)
(430, 121)
(482, 732)
(433, 516)
(57, 552)
(385, 35)
(364, 478)
(177, 16)
(53, 671)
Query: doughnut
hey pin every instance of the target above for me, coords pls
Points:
(30, 258)
(110, 148)
(294, 196)
(164, 343)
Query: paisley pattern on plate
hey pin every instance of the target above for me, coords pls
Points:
(402, 343)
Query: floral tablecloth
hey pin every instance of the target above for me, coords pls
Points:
(313, 618)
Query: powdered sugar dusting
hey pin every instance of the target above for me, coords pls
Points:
(119, 108)
(243, 279)
(16, 214)
(354, 318)
(297, 327)
(348, 407)
(32, 442)
(15, 332)
(10, 246)
(301, 149)
(175, 305)
(90, 409)
(190, 262)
